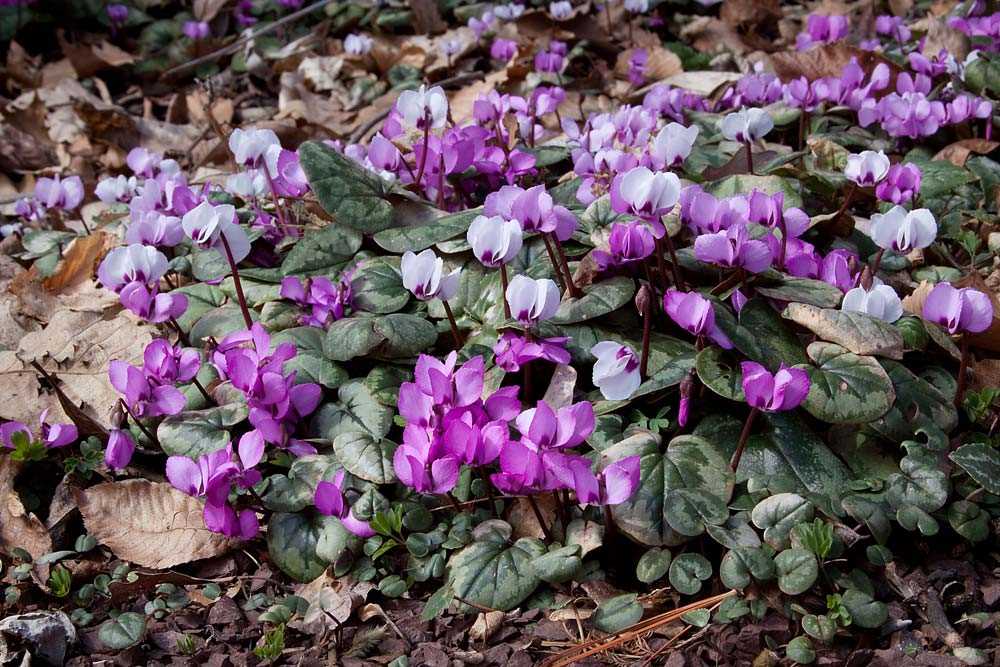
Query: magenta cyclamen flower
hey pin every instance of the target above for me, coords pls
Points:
(143, 394)
(784, 390)
(838, 269)
(822, 29)
(733, 248)
(629, 242)
(513, 350)
(503, 49)
(119, 449)
(212, 477)
(196, 30)
(329, 500)
(901, 184)
(703, 213)
(326, 301)
(693, 313)
(533, 208)
(612, 486)
(959, 310)
(50, 435)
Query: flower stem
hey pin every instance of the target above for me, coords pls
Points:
(847, 200)
(746, 144)
(963, 368)
(539, 518)
(440, 197)
(278, 208)
(423, 156)
(803, 123)
(555, 263)
(675, 270)
(504, 283)
(734, 463)
(489, 491)
(454, 325)
(574, 291)
(877, 261)
(142, 427)
(647, 326)
(236, 281)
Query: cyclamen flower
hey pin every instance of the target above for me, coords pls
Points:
(822, 29)
(64, 194)
(901, 231)
(560, 10)
(50, 435)
(769, 209)
(881, 302)
(784, 390)
(551, 60)
(208, 225)
(637, 66)
(329, 500)
(616, 372)
(693, 313)
(837, 269)
(959, 310)
(358, 44)
(612, 486)
(733, 248)
(867, 168)
(423, 274)
(893, 26)
(637, 6)
(508, 12)
(169, 364)
(901, 184)
(119, 450)
(143, 161)
(672, 145)
(512, 350)
(746, 125)
(495, 241)
(503, 49)
(115, 190)
(628, 243)
(251, 147)
(532, 301)
(117, 14)
(327, 302)
(196, 29)
(143, 395)
(801, 94)
(133, 263)
(423, 107)
(703, 213)
(534, 208)
(646, 194)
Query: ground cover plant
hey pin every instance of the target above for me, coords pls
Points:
(443, 333)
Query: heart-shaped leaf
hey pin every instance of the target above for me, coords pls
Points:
(653, 565)
(688, 571)
(365, 456)
(598, 299)
(196, 432)
(324, 252)
(742, 564)
(351, 194)
(559, 565)
(981, 462)
(719, 370)
(846, 388)
(776, 515)
(494, 575)
(865, 611)
(357, 411)
(122, 631)
(797, 570)
(377, 286)
(803, 290)
(420, 237)
(311, 363)
(617, 613)
(292, 540)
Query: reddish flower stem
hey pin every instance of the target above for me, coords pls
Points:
(746, 144)
(963, 368)
(539, 517)
(236, 281)
(734, 463)
(574, 291)
(142, 427)
(503, 284)
(453, 324)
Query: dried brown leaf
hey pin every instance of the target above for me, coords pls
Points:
(959, 152)
(151, 524)
(79, 261)
(206, 10)
(827, 60)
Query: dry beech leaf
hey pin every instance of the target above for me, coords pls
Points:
(150, 524)
(523, 518)
(80, 261)
(331, 602)
(960, 151)
(206, 10)
(19, 528)
(827, 60)
(463, 101)
(486, 624)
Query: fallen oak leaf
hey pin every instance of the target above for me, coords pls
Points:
(151, 524)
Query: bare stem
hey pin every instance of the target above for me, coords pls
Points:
(504, 283)
(744, 436)
(454, 325)
(746, 144)
(574, 291)
(142, 427)
(423, 156)
(963, 368)
(236, 281)
(540, 518)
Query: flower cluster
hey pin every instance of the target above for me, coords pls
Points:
(325, 301)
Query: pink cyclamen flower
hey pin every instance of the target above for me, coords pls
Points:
(561, 10)
(503, 49)
(143, 161)
(329, 500)
(612, 486)
(251, 147)
(867, 168)
(50, 435)
(901, 184)
(694, 313)
(119, 449)
(616, 371)
(901, 231)
(838, 269)
(207, 225)
(143, 396)
(132, 263)
(512, 350)
(959, 310)
(65, 194)
(423, 274)
(196, 29)
(733, 248)
(822, 29)
(628, 242)
(532, 300)
(784, 390)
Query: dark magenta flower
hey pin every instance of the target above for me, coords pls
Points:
(693, 313)
(901, 184)
(784, 390)
(326, 301)
(612, 486)
(329, 500)
(628, 242)
(513, 350)
(733, 248)
(503, 49)
(50, 435)
(959, 310)
(119, 449)
(143, 395)
(838, 269)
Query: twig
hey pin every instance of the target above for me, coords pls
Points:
(232, 48)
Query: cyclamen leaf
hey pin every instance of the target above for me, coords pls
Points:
(860, 333)
(846, 388)
(493, 574)
(352, 195)
(981, 462)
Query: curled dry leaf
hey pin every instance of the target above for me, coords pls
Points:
(331, 602)
(486, 624)
(960, 151)
(19, 528)
(151, 524)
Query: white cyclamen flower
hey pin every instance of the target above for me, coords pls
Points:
(424, 276)
(746, 125)
(901, 231)
(881, 302)
(616, 372)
